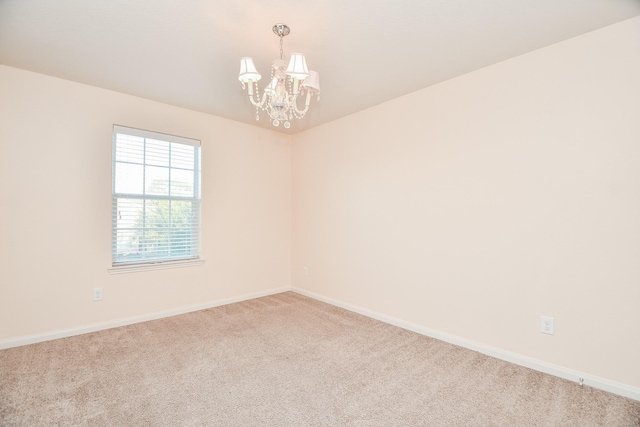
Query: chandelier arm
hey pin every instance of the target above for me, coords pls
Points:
(255, 103)
(294, 105)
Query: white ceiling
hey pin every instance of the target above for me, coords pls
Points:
(187, 52)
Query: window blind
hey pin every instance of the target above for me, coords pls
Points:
(156, 197)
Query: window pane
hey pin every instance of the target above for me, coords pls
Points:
(182, 156)
(128, 178)
(129, 245)
(181, 213)
(129, 149)
(157, 228)
(181, 182)
(157, 181)
(182, 228)
(129, 213)
(157, 152)
(157, 214)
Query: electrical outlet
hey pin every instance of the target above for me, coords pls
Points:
(305, 271)
(97, 294)
(546, 325)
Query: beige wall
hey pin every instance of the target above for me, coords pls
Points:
(475, 206)
(55, 212)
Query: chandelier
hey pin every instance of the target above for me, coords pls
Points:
(287, 83)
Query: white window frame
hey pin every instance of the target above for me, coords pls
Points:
(119, 266)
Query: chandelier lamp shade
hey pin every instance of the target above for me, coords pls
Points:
(288, 82)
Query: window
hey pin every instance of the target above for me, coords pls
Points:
(156, 198)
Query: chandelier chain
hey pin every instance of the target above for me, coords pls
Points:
(281, 51)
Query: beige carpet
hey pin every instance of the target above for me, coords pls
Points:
(283, 360)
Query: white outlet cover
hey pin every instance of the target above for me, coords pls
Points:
(546, 325)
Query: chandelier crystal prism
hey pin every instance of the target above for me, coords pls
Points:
(288, 82)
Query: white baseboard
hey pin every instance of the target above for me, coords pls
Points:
(63, 333)
(538, 365)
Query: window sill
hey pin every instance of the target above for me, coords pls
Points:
(134, 268)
